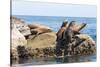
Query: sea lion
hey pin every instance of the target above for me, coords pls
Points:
(76, 27)
(40, 30)
(88, 46)
(61, 30)
(37, 29)
(65, 37)
(68, 37)
(60, 42)
(88, 39)
(69, 33)
(32, 26)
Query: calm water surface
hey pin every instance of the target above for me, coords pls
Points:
(49, 60)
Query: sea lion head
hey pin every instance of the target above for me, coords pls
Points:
(76, 27)
(64, 24)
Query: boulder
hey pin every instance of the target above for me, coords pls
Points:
(42, 41)
(17, 38)
(20, 25)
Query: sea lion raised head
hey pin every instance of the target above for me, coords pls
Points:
(64, 24)
(62, 29)
(76, 27)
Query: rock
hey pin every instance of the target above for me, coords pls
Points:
(17, 39)
(20, 25)
(14, 56)
(22, 52)
(43, 40)
(18, 32)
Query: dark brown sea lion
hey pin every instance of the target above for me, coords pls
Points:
(65, 37)
(37, 29)
(76, 27)
(68, 36)
(88, 46)
(59, 34)
(61, 30)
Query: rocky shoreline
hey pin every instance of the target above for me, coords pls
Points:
(35, 40)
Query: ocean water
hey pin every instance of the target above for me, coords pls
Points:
(54, 23)
(52, 60)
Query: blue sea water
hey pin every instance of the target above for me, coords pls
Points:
(54, 22)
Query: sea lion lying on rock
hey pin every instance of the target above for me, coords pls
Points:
(40, 30)
(87, 38)
(37, 29)
(33, 26)
(88, 46)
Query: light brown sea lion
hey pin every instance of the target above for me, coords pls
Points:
(32, 26)
(40, 30)
(37, 29)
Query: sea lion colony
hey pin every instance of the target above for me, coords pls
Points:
(72, 42)
(69, 42)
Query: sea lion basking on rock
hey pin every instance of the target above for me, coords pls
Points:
(87, 38)
(37, 29)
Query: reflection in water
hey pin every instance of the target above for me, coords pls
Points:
(52, 60)
(73, 59)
